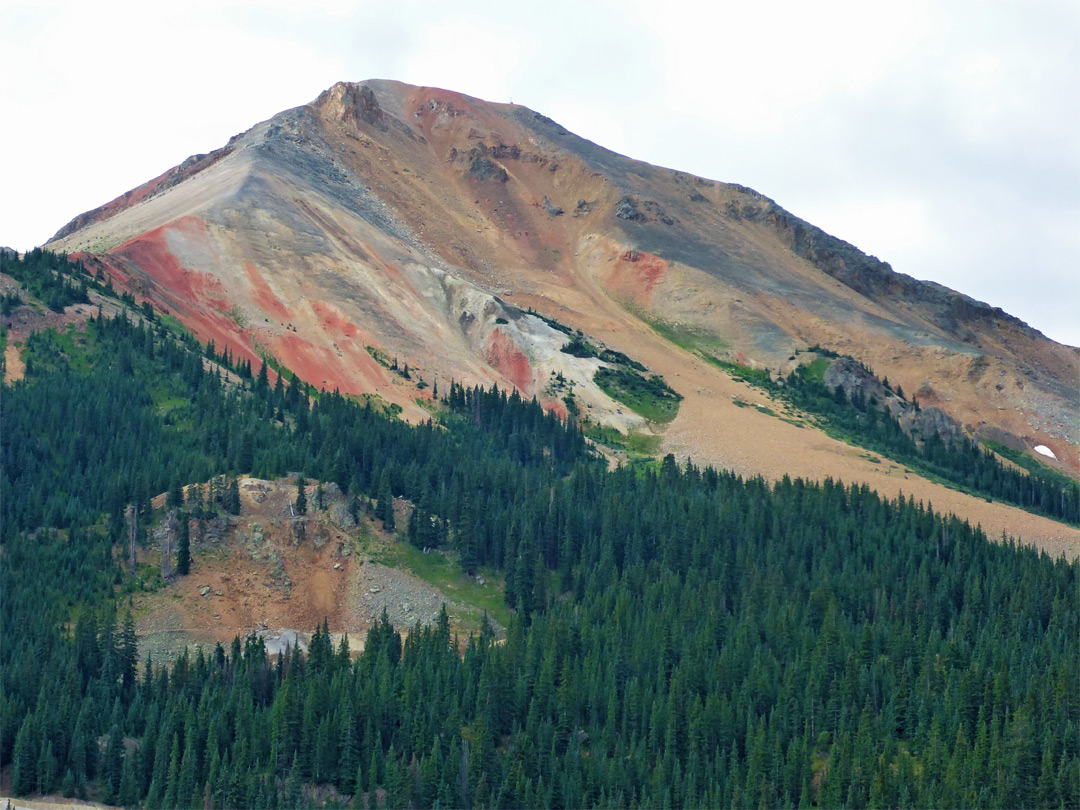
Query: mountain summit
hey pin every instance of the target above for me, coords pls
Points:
(384, 222)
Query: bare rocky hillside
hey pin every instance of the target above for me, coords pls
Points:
(387, 222)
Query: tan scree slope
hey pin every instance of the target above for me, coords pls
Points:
(424, 223)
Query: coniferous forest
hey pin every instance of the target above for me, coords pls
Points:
(681, 637)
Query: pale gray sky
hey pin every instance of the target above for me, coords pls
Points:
(941, 137)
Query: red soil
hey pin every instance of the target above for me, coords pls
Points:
(391, 271)
(198, 298)
(264, 296)
(333, 320)
(322, 368)
(462, 106)
(556, 406)
(503, 354)
(635, 274)
(151, 253)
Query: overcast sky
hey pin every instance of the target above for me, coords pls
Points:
(942, 137)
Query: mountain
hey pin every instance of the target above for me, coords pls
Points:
(386, 227)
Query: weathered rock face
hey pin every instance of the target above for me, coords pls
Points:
(858, 381)
(387, 221)
(931, 421)
(353, 104)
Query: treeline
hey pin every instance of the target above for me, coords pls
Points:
(682, 637)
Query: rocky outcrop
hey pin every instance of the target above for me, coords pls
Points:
(954, 312)
(857, 381)
(481, 168)
(931, 421)
(353, 104)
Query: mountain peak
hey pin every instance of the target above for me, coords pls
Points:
(349, 102)
(385, 220)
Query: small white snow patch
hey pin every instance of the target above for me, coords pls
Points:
(1043, 450)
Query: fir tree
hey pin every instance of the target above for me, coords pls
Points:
(301, 496)
(183, 546)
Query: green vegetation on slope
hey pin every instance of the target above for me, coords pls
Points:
(962, 463)
(680, 636)
(646, 396)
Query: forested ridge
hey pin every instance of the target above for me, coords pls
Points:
(682, 637)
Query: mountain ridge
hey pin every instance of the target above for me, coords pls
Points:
(426, 224)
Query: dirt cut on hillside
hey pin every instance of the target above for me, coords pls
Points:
(279, 575)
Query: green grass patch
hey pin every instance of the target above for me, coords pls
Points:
(165, 399)
(605, 435)
(442, 571)
(644, 445)
(237, 316)
(49, 349)
(697, 341)
(272, 362)
(377, 403)
(173, 324)
(380, 357)
(755, 376)
(649, 397)
(815, 370)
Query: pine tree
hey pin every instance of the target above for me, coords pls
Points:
(46, 768)
(294, 789)
(24, 773)
(301, 496)
(232, 497)
(175, 497)
(183, 547)
(172, 779)
(384, 507)
(113, 771)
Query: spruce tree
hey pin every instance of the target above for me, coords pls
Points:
(175, 497)
(232, 497)
(301, 496)
(385, 507)
(183, 547)
(24, 774)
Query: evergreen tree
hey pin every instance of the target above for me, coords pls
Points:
(384, 509)
(232, 497)
(183, 546)
(24, 773)
(175, 498)
(301, 496)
